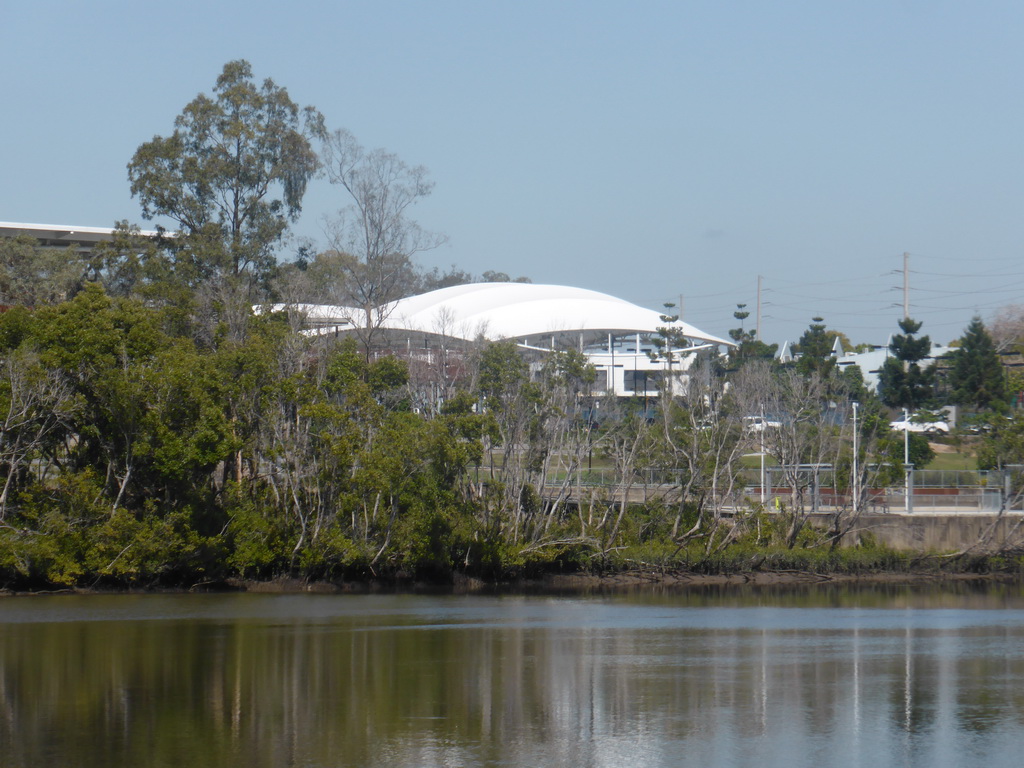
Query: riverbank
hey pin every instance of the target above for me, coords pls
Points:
(628, 568)
(610, 582)
(769, 578)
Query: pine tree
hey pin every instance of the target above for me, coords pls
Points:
(815, 349)
(748, 346)
(977, 377)
(902, 383)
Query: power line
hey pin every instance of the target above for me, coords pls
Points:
(961, 259)
(966, 274)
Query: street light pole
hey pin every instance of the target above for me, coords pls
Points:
(906, 460)
(764, 497)
(856, 474)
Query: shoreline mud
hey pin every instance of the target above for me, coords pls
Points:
(554, 583)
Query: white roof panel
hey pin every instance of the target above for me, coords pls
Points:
(521, 310)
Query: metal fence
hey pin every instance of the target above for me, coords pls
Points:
(934, 490)
(957, 478)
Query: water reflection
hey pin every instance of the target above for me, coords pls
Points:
(646, 679)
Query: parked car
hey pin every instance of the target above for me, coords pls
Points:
(759, 423)
(982, 423)
(924, 427)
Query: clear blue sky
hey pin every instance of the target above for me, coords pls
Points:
(644, 149)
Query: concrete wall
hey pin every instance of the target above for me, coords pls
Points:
(923, 532)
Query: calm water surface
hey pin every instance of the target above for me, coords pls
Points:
(825, 677)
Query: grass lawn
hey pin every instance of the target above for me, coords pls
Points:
(958, 459)
(752, 461)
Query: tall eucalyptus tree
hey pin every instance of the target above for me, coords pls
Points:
(231, 176)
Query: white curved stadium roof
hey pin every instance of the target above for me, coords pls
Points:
(524, 310)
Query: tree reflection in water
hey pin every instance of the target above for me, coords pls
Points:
(656, 679)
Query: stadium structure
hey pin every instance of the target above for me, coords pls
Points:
(616, 336)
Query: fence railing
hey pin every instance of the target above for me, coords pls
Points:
(947, 490)
(957, 478)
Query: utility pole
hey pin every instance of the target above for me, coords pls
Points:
(906, 285)
(757, 334)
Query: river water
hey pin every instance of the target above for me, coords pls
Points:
(808, 677)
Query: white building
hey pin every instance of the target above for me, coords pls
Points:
(870, 362)
(614, 334)
(83, 239)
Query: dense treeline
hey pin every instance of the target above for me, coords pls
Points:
(133, 453)
(130, 453)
